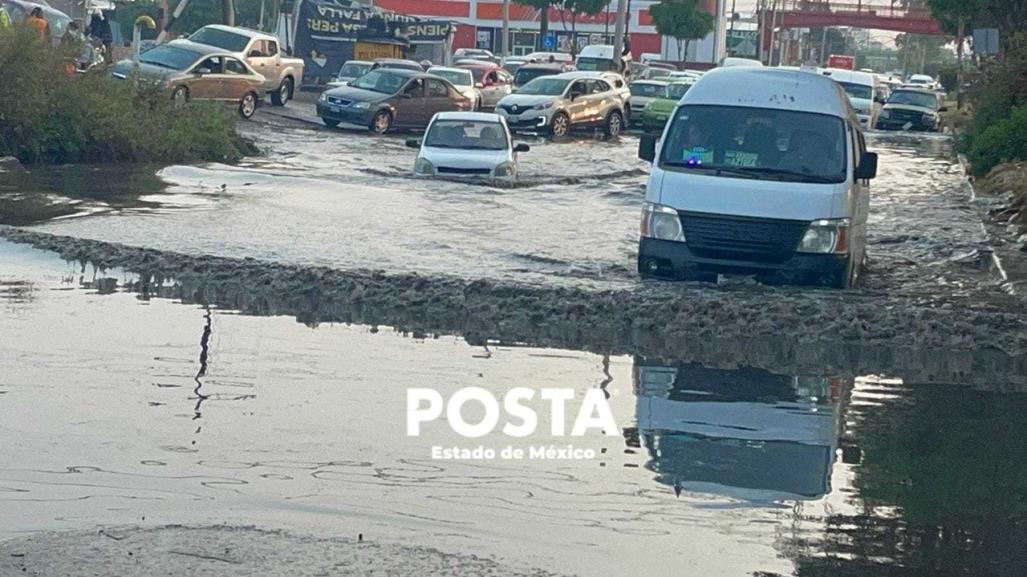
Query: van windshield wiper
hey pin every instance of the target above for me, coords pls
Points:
(783, 172)
(718, 169)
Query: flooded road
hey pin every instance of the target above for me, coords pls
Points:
(128, 410)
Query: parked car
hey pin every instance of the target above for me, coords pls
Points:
(863, 93)
(654, 116)
(387, 98)
(556, 104)
(762, 172)
(922, 81)
(351, 70)
(642, 93)
(513, 63)
(19, 10)
(529, 72)
(911, 109)
(397, 64)
(475, 54)
(492, 81)
(262, 52)
(195, 72)
(462, 79)
(467, 144)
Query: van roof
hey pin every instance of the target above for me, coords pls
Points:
(596, 51)
(769, 88)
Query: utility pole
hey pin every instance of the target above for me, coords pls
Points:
(959, 62)
(731, 32)
(506, 32)
(618, 33)
(823, 46)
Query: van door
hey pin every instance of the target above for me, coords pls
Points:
(861, 198)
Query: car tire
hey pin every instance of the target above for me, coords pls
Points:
(283, 95)
(381, 122)
(330, 123)
(180, 95)
(248, 105)
(614, 124)
(560, 126)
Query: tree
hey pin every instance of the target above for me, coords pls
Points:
(576, 7)
(682, 20)
(543, 7)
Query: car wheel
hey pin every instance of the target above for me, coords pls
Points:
(248, 105)
(283, 94)
(614, 124)
(180, 96)
(330, 123)
(560, 125)
(381, 122)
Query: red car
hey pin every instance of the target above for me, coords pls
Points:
(492, 81)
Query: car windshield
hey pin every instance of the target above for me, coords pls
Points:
(526, 75)
(758, 143)
(466, 134)
(592, 64)
(913, 98)
(380, 81)
(857, 90)
(456, 77)
(353, 70)
(676, 91)
(223, 39)
(646, 89)
(167, 56)
(545, 86)
(918, 81)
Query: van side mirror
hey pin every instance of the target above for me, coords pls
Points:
(521, 147)
(867, 168)
(647, 147)
(413, 143)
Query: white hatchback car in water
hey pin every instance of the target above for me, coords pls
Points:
(467, 144)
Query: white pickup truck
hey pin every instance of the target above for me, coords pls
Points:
(261, 51)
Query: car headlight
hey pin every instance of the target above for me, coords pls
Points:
(505, 170)
(361, 104)
(661, 222)
(424, 167)
(543, 106)
(885, 114)
(323, 97)
(826, 236)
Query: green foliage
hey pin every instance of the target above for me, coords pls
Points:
(682, 19)
(1003, 141)
(48, 115)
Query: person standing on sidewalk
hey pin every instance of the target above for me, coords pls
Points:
(37, 22)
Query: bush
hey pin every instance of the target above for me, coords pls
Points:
(1003, 141)
(47, 115)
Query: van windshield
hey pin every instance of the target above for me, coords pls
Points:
(759, 143)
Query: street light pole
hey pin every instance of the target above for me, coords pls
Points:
(618, 31)
(505, 44)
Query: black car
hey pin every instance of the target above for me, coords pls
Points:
(387, 98)
(911, 109)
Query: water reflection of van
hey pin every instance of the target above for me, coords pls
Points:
(745, 433)
(761, 172)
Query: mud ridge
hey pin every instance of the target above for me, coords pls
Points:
(784, 330)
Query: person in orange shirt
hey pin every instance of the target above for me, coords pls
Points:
(38, 23)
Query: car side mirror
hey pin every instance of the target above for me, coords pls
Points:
(943, 109)
(521, 147)
(575, 95)
(413, 143)
(202, 71)
(647, 147)
(867, 168)
(255, 54)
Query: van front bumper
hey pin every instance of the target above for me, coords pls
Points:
(674, 260)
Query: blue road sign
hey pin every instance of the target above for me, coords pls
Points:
(549, 41)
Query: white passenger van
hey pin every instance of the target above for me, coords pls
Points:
(863, 91)
(760, 172)
(600, 58)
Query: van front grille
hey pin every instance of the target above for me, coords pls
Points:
(741, 238)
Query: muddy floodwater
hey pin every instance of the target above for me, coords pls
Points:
(204, 370)
(122, 411)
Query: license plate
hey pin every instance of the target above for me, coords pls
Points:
(335, 109)
(907, 126)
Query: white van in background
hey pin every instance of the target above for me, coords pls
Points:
(864, 94)
(760, 172)
(600, 58)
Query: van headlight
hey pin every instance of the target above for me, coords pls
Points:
(661, 222)
(424, 167)
(505, 170)
(826, 237)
